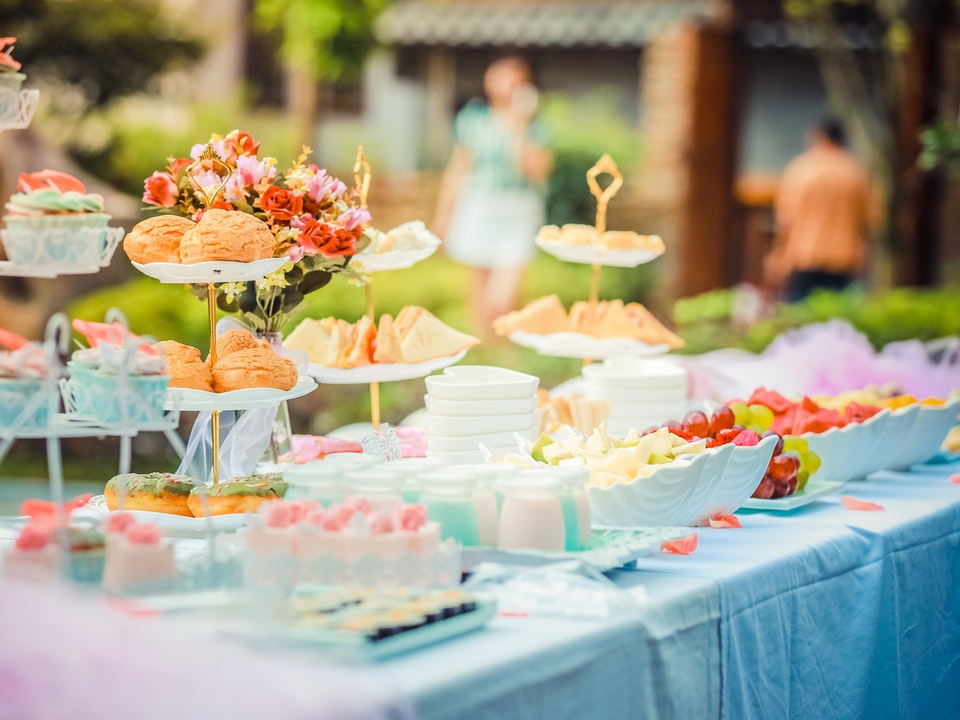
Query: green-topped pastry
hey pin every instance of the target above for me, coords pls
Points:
(244, 494)
(154, 492)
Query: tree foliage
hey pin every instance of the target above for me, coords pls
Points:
(328, 38)
(99, 51)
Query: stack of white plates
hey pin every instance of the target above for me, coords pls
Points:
(642, 392)
(470, 405)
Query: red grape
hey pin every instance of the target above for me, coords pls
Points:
(696, 423)
(778, 448)
(766, 488)
(721, 419)
(783, 467)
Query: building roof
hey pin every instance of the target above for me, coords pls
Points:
(547, 23)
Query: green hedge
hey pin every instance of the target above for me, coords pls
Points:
(706, 321)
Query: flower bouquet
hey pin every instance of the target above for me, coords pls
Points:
(308, 210)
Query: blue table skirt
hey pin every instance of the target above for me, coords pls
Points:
(821, 612)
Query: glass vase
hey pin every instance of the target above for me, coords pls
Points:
(280, 448)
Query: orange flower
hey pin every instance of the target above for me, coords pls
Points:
(281, 204)
(160, 189)
(317, 238)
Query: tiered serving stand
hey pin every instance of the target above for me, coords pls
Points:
(579, 345)
(373, 263)
(48, 409)
(209, 274)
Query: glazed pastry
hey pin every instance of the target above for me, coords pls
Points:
(155, 492)
(227, 235)
(157, 239)
(254, 367)
(237, 496)
(185, 367)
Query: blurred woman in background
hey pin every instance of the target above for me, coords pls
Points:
(491, 202)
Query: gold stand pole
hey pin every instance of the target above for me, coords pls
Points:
(605, 165)
(361, 178)
(214, 414)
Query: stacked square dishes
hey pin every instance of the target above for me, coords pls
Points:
(470, 405)
(642, 392)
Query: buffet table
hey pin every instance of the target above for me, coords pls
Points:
(821, 612)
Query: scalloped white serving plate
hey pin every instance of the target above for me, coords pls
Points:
(381, 372)
(216, 271)
(248, 399)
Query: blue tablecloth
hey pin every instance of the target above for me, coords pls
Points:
(821, 612)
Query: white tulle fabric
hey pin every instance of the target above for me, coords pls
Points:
(827, 358)
(68, 656)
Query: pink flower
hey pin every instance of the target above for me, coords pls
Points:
(219, 147)
(354, 218)
(160, 189)
(252, 171)
(233, 190)
(322, 186)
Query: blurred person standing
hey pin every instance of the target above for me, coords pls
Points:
(824, 216)
(491, 201)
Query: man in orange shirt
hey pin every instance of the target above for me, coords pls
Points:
(823, 213)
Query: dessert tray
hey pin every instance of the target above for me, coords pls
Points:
(248, 399)
(815, 490)
(609, 548)
(383, 372)
(174, 525)
(216, 271)
(393, 259)
(578, 345)
(589, 254)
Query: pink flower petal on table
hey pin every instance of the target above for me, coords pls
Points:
(683, 546)
(852, 503)
(955, 479)
(725, 521)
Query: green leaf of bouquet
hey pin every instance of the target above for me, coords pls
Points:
(314, 280)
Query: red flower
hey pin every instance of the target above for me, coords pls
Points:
(244, 144)
(280, 204)
(317, 238)
(175, 165)
(160, 189)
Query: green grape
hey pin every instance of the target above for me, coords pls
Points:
(741, 413)
(795, 442)
(802, 477)
(810, 461)
(762, 416)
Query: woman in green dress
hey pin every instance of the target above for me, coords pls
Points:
(491, 201)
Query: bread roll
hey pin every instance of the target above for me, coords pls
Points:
(226, 235)
(184, 366)
(254, 367)
(157, 239)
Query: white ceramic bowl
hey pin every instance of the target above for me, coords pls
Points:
(674, 494)
(475, 408)
(844, 451)
(445, 443)
(635, 372)
(481, 382)
(467, 426)
(743, 472)
(930, 428)
(631, 396)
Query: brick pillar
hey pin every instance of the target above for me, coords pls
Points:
(688, 142)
